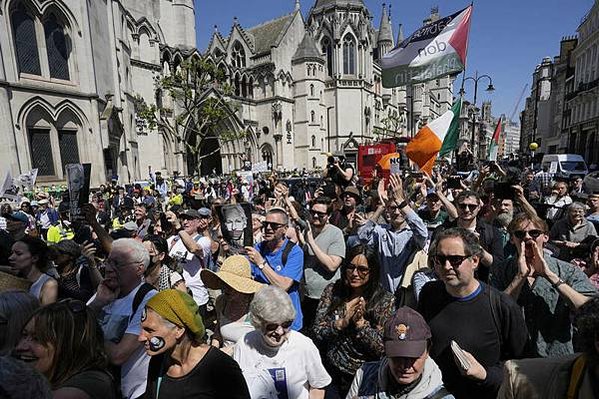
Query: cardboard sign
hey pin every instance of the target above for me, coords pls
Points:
(395, 164)
(78, 183)
(236, 224)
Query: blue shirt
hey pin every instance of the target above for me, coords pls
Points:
(294, 269)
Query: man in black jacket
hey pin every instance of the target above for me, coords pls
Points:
(487, 324)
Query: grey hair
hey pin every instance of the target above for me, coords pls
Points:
(574, 206)
(16, 307)
(134, 249)
(279, 211)
(271, 305)
(18, 380)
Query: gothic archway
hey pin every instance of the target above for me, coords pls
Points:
(209, 159)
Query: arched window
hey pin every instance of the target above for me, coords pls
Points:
(237, 85)
(327, 49)
(311, 90)
(349, 55)
(251, 88)
(312, 116)
(314, 163)
(238, 55)
(313, 141)
(23, 25)
(57, 47)
(244, 87)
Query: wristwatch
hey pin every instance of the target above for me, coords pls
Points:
(558, 283)
(261, 265)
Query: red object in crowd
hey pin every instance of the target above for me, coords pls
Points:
(369, 157)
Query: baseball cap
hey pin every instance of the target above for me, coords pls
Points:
(406, 334)
(430, 192)
(205, 212)
(190, 214)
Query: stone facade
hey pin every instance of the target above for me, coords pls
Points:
(70, 73)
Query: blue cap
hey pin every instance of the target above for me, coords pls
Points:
(431, 191)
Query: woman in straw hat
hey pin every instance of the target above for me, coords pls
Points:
(182, 365)
(232, 307)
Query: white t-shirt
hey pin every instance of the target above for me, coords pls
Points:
(293, 368)
(115, 324)
(191, 265)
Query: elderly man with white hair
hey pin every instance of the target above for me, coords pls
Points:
(277, 361)
(119, 302)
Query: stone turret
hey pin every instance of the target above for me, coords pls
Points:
(385, 38)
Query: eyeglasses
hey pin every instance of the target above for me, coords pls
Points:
(521, 234)
(362, 270)
(272, 225)
(318, 214)
(74, 305)
(270, 327)
(469, 207)
(117, 265)
(454, 260)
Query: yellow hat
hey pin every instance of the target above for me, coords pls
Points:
(179, 308)
(235, 272)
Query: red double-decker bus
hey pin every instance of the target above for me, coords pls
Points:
(370, 155)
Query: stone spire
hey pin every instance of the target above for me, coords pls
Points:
(297, 5)
(385, 33)
(400, 37)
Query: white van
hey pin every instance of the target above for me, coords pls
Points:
(565, 165)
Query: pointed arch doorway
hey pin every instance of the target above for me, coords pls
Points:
(209, 159)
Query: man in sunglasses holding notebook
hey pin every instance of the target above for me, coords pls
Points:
(547, 288)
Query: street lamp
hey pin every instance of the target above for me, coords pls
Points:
(489, 89)
(533, 147)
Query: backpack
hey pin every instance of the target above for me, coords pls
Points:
(286, 250)
(139, 297)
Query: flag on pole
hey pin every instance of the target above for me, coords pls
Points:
(494, 147)
(440, 134)
(435, 50)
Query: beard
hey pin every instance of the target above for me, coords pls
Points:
(505, 219)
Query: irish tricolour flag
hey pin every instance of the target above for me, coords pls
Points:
(494, 146)
(437, 138)
(435, 50)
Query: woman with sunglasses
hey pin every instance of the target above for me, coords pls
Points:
(351, 315)
(64, 342)
(277, 361)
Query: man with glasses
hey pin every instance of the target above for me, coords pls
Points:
(278, 261)
(191, 248)
(324, 248)
(486, 324)
(468, 204)
(548, 289)
(119, 302)
(396, 241)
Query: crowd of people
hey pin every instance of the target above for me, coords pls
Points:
(478, 285)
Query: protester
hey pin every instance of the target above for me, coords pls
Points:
(546, 288)
(62, 228)
(16, 308)
(350, 316)
(278, 261)
(234, 279)
(487, 324)
(182, 365)
(406, 370)
(570, 233)
(29, 260)
(46, 216)
(74, 279)
(395, 242)
(119, 302)
(324, 250)
(557, 202)
(162, 272)
(277, 361)
(64, 342)
(593, 212)
(574, 376)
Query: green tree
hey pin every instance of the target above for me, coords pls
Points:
(201, 103)
(391, 127)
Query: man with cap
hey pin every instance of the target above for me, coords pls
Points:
(191, 248)
(46, 216)
(344, 217)
(406, 371)
(183, 365)
(62, 228)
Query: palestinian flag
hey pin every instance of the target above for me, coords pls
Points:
(494, 146)
(435, 50)
(441, 135)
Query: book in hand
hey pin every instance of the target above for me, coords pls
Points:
(459, 356)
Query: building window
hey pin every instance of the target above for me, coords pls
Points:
(312, 116)
(238, 56)
(69, 151)
(349, 55)
(23, 26)
(40, 149)
(327, 49)
(311, 90)
(57, 48)
(314, 163)
(313, 141)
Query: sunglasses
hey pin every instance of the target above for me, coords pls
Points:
(521, 234)
(469, 207)
(454, 260)
(74, 305)
(318, 214)
(362, 270)
(274, 326)
(272, 225)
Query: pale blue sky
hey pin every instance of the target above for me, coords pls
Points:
(508, 38)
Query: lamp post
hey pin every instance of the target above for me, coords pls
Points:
(489, 88)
